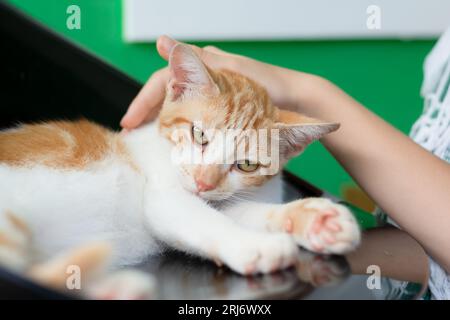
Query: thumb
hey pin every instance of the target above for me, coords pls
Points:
(164, 45)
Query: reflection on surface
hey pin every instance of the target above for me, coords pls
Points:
(181, 277)
(397, 254)
(402, 262)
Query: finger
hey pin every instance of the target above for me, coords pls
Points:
(164, 45)
(210, 55)
(214, 49)
(148, 101)
(153, 113)
(217, 51)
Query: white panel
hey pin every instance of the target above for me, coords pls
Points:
(145, 20)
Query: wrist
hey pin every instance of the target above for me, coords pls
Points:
(306, 89)
(313, 95)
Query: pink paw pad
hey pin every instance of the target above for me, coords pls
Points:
(325, 221)
(289, 225)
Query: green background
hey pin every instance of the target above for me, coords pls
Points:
(385, 75)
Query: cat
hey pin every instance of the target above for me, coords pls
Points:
(67, 188)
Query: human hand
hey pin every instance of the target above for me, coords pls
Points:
(282, 84)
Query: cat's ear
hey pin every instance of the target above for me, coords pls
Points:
(296, 131)
(189, 76)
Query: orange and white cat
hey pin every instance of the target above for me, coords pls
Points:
(67, 184)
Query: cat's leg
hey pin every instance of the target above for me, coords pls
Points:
(85, 261)
(16, 254)
(89, 263)
(185, 222)
(127, 284)
(317, 224)
(90, 259)
(15, 240)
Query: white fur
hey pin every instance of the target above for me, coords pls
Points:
(138, 212)
(109, 201)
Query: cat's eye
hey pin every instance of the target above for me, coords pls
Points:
(199, 136)
(247, 166)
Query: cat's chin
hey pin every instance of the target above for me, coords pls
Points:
(211, 196)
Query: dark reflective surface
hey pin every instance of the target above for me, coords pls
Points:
(388, 264)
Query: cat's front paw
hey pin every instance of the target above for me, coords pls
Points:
(321, 270)
(259, 253)
(322, 226)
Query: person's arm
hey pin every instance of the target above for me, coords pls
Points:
(394, 251)
(406, 181)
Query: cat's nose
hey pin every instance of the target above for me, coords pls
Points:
(202, 186)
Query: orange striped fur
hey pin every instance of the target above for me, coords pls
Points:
(59, 144)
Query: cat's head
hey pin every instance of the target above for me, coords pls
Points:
(227, 134)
